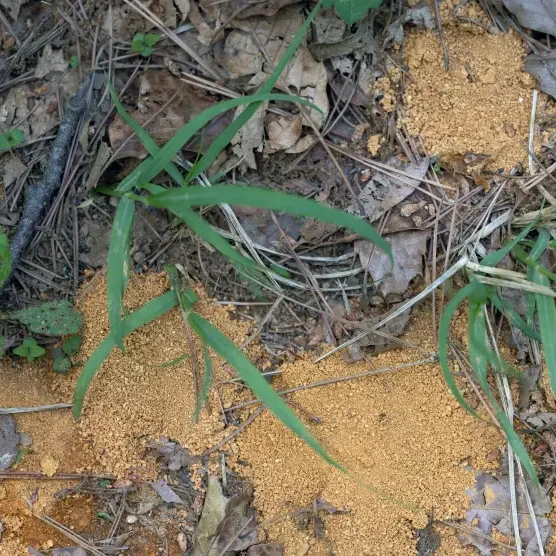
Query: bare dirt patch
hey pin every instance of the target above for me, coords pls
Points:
(401, 432)
(483, 104)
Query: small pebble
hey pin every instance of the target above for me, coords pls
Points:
(131, 519)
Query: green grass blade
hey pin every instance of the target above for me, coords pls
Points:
(205, 387)
(520, 254)
(150, 167)
(443, 335)
(144, 137)
(118, 265)
(204, 230)
(171, 363)
(253, 378)
(494, 258)
(541, 244)
(480, 355)
(220, 143)
(272, 200)
(547, 322)
(5, 258)
(513, 316)
(147, 313)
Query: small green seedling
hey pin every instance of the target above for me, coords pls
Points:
(74, 61)
(143, 44)
(29, 349)
(11, 139)
(55, 318)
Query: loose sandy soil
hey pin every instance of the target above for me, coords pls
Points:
(400, 432)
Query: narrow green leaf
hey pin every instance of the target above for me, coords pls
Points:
(205, 387)
(530, 262)
(479, 358)
(118, 265)
(71, 346)
(253, 378)
(147, 313)
(143, 135)
(150, 167)
(513, 316)
(494, 258)
(443, 338)
(272, 200)
(224, 139)
(5, 258)
(351, 11)
(171, 363)
(547, 323)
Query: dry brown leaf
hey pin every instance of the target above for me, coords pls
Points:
(13, 7)
(183, 7)
(408, 249)
(302, 145)
(248, 8)
(156, 89)
(283, 131)
(12, 168)
(50, 60)
(240, 56)
(250, 137)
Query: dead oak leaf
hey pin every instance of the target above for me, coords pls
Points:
(408, 249)
(50, 60)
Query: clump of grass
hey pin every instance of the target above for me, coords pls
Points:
(482, 291)
(180, 201)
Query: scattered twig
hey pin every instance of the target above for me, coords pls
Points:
(340, 379)
(38, 475)
(243, 425)
(13, 410)
(532, 130)
(441, 35)
(38, 197)
(67, 532)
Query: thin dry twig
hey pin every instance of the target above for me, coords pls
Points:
(441, 35)
(14, 410)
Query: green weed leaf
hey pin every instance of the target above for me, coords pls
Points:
(151, 39)
(74, 61)
(29, 349)
(149, 312)
(205, 387)
(225, 138)
(5, 258)
(61, 365)
(55, 318)
(71, 346)
(253, 378)
(351, 11)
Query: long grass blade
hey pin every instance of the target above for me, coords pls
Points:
(547, 322)
(150, 167)
(513, 316)
(443, 338)
(143, 135)
(224, 139)
(479, 358)
(272, 200)
(253, 378)
(149, 312)
(5, 258)
(205, 386)
(204, 230)
(118, 266)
